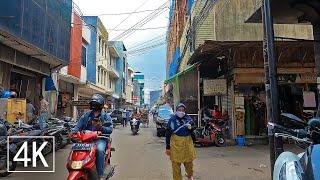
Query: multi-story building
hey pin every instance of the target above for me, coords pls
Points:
(129, 87)
(34, 41)
(119, 55)
(154, 97)
(220, 62)
(101, 62)
(138, 89)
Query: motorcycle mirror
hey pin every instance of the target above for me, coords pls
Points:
(294, 120)
(66, 125)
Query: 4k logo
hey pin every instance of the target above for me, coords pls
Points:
(35, 153)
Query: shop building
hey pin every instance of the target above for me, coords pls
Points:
(34, 42)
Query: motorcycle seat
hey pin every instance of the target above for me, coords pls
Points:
(33, 133)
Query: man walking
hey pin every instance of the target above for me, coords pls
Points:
(44, 110)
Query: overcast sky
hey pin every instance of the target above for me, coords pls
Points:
(151, 64)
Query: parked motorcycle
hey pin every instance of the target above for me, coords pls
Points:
(81, 161)
(211, 133)
(305, 165)
(3, 153)
(135, 126)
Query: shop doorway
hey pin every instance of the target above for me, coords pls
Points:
(25, 85)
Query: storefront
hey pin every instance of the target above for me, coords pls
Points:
(26, 83)
(239, 66)
(297, 95)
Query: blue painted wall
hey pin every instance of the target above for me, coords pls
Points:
(92, 49)
(120, 61)
(43, 23)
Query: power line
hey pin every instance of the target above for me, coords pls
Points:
(140, 43)
(147, 43)
(130, 14)
(125, 13)
(141, 29)
(145, 20)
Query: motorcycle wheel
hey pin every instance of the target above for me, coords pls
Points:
(48, 148)
(12, 167)
(220, 140)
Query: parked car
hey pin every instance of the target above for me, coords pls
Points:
(116, 116)
(161, 119)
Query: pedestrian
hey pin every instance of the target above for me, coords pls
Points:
(30, 111)
(127, 116)
(44, 110)
(179, 142)
(124, 118)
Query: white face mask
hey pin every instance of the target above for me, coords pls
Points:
(180, 114)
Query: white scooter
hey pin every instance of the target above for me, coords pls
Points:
(303, 166)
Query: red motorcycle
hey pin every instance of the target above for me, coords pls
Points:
(81, 161)
(211, 133)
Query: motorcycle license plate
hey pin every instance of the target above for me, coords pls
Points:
(76, 164)
(81, 147)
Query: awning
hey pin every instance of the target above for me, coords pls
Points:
(181, 73)
(89, 89)
(290, 12)
(213, 49)
(70, 79)
(50, 86)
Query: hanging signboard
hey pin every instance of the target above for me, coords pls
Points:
(214, 87)
(80, 103)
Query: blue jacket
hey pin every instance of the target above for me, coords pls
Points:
(84, 123)
(174, 123)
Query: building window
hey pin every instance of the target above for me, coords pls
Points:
(110, 84)
(106, 50)
(105, 76)
(99, 44)
(102, 49)
(98, 75)
(124, 86)
(84, 56)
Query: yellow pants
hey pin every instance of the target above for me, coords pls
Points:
(176, 168)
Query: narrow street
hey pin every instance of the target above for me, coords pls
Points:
(142, 157)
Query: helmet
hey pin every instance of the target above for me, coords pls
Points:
(97, 99)
(314, 122)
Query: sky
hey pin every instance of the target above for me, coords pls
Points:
(152, 63)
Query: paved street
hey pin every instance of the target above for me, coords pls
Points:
(142, 157)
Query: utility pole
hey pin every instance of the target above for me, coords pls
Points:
(316, 34)
(276, 145)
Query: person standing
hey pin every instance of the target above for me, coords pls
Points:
(44, 110)
(30, 111)
(124, 118)
(179, 143)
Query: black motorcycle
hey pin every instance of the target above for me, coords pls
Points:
(135, 126)
(307, 136)
(4, 158)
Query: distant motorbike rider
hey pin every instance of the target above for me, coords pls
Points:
(179, 142)
(97, 119)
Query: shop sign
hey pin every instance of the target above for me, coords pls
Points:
(213, 87)
(80, 103)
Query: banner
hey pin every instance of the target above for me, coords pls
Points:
(214, 87)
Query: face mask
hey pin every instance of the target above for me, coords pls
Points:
(180, 114)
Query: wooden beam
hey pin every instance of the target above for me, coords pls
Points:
(280, 70)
